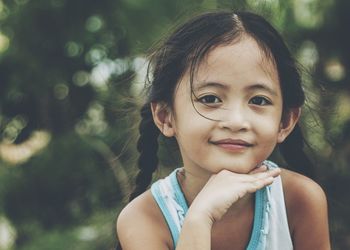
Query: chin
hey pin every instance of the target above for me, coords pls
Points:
(235, 169)
(238, 167)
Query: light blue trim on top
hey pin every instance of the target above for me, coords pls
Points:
(258, 219)
(261, 211)
(168, 218)
(180, 198)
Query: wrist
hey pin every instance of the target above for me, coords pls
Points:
(198, 218)
(195, 232)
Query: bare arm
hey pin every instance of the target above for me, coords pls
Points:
(139, 227)
(307, 209)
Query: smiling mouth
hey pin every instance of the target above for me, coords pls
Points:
(233, 144)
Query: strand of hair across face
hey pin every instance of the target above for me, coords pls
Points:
(147, 146)
(293, 153)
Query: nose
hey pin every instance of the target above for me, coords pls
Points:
(235, 119)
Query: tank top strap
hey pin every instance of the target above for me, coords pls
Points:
(171, 201)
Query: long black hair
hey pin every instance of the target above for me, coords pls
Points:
(184, 50)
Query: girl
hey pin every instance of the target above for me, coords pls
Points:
(225, 86)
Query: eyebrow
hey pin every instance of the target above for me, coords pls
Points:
(202, 85)
(262, 86)
(257, 86)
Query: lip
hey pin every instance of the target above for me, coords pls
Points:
(232, 144)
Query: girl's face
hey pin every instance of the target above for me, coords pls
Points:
(237, 88)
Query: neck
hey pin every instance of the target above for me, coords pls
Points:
(191, 184)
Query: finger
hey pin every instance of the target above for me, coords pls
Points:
(259, 184)
(269, 173)
(274, 172)
(259, 169)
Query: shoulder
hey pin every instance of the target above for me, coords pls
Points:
(300, 191)
(306, 205)
(140, 225)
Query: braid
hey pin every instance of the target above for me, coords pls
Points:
(292, 151)
(147, 146)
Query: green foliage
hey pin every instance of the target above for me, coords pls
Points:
(68, 189)
(71, 68)
(96, 232)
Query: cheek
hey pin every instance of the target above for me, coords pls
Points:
(271, 119)
(187, 120)
(269, 129)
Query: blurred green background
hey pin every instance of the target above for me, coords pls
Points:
(71, 72)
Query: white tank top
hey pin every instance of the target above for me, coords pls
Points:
(270, 229)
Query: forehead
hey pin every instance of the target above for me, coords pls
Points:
(240, 58)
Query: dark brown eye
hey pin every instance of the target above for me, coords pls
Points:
(209, 99)
(260, 101)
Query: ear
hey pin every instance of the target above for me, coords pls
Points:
(163, 118)
(288, 123)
